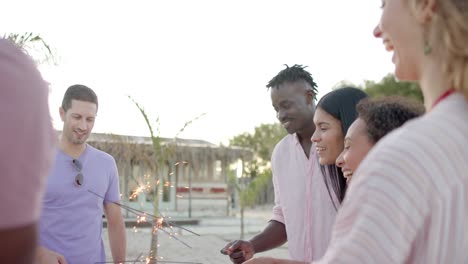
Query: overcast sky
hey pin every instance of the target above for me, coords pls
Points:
(180, 59)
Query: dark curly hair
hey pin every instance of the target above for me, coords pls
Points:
(292, 74)
(384, 114)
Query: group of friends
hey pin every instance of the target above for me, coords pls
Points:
(356, 180)
(361, 180)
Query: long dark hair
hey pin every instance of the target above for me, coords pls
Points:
(341, 104)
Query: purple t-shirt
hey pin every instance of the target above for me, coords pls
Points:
(71, 220)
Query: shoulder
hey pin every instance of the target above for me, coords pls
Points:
(411, 156)
(429, 133)
(281, 148)
(283, 145)
(100, 155)
(400, 148)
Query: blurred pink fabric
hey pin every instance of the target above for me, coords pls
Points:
(302, 202)
(26, 139)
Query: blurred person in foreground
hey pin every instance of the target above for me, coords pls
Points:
(26, 152)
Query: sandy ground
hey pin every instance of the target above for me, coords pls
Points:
(214, 231)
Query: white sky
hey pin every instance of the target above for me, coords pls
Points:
(180, 59)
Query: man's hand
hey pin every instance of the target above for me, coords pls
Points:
(239, 251)
(45, 256)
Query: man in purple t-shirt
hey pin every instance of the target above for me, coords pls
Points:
(71, 222)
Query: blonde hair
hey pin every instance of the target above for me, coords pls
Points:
(449, 29)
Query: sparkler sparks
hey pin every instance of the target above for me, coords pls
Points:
(160, 222)
(140, 189)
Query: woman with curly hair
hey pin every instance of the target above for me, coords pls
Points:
(376, 118)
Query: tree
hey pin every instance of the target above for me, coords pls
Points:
(161, 154)
(248, 192)
(33, 43)
(389, 85)
(257, 178)
(262, 141)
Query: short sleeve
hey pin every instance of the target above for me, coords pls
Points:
(113, 192)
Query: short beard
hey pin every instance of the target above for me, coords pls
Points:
(77, 141)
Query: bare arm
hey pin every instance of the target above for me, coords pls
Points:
(116, 229)
(273, 236)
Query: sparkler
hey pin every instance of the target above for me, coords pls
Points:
(161, 221)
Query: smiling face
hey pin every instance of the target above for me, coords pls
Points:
(294, 105)
(402, 35)
(328, 137)
(356, 146)
(78, 121)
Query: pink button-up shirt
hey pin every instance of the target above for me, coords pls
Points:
(302, 202)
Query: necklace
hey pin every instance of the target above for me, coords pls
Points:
(443, 96)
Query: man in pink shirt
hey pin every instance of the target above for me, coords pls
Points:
(303, 214)
(26, 149)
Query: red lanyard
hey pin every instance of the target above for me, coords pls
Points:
(443, 96)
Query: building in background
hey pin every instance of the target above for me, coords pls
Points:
(194, 173)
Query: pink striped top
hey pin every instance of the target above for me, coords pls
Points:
(408, 202)
(302, 201)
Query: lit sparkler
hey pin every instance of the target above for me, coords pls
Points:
(161, 221)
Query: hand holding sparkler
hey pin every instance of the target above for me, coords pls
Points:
(239, 251)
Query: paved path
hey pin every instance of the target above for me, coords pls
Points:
(214, 232)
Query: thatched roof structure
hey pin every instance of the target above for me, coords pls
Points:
(136, 148)
(204, 163)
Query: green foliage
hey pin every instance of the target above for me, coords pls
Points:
(389, 85)
(34, 43)
(262, 141)
(248, 188)
(159, 153)
(155, 138)
(258, 171)
(162, 154)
